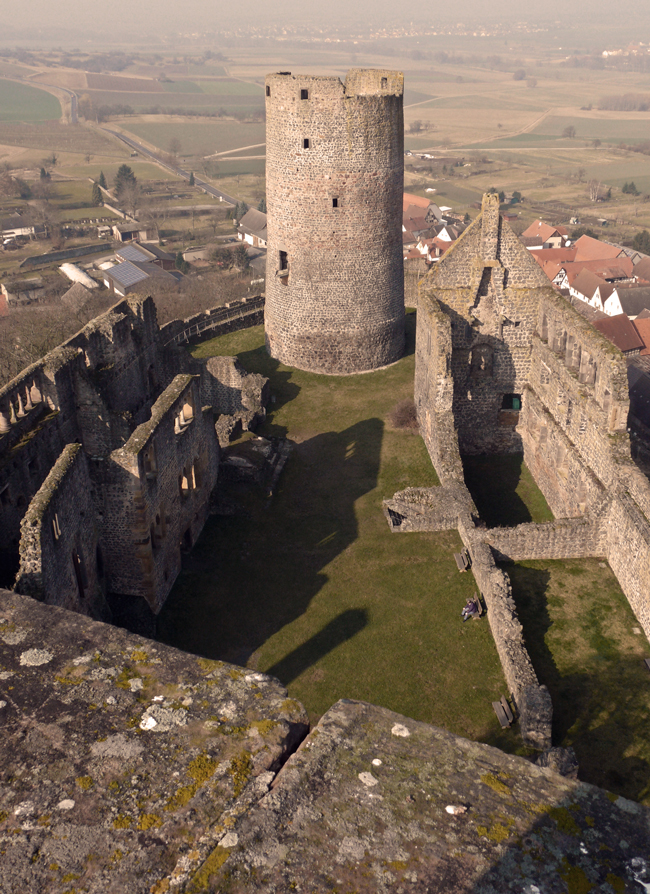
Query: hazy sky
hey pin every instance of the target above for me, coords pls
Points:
(155, 16)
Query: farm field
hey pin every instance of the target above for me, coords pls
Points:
(314, 588)
(196, 137)
(20, 102)
(193, 102)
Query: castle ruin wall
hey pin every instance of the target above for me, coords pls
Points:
(157, 490)
(59, 560)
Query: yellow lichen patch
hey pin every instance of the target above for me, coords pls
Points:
(202, 768)
(70, 877)
(495, 783)
(113, 787)
(44, 820)
(612, 797)
(207, 665)
(53, 867)
(122, 822)
(149, 821)
(240, 769)
(264, 727)
(577, 881)
(617, 883)
(117, 855)
(125, 675)
(84, 782)
(182, 797)
(3, 815)
(497, 832)
(201, 879)
(140, 656)
(398, 865)
(235, 674)
(161, 887)
(564, 821)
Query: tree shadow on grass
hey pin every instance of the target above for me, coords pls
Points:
(252, 575)
(596, 709)
(492, 481)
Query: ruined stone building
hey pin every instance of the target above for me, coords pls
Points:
(505, 365)
(334, 185)
(109, 454)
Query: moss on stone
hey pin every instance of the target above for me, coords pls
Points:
(149, 821)
(84, 782)
(202, 768)
(201, 879)
(122, 822)
(240, 769)
(208, 665)
(495, 783)
(576, 879)
(497, 832)
(564, 821)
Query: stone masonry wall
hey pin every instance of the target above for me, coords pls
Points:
(561, 539)
(628, 553)
(155, 493)
(231, 317)
(334, 185)
(58, 546)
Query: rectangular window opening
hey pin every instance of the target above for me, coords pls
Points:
(304, 94)
(511, 402)
(268, 90)
(284, 261)
(335, 203)
(305, 143)
(384, 83)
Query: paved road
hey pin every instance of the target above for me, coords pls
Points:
(142, 150)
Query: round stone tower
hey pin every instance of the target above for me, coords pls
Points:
(334, 186)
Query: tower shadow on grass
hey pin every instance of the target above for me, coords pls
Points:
(252, 575)
(339, 630)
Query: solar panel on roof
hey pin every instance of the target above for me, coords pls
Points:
(127, 274)
(131, 253)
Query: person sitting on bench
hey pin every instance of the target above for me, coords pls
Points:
(470, 609)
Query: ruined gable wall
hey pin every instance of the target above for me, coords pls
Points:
(58, 546)
(156, 491)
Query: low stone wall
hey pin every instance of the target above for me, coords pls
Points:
(231, 317)
(566, 538)
(628, 553)
(425, 509)
(533, 701)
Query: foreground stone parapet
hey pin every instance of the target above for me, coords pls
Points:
(375, 802)
(124, 761)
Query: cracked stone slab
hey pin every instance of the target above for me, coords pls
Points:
(375, 802)
(108, 784)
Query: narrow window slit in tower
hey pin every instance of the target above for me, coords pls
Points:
(384, 82)
(335, 203)
(304, 94)
(268, 90)
(284, 261)
(305, 143)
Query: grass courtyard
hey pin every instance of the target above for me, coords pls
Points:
(314, 588)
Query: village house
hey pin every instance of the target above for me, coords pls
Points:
(252, 228)
(133, 232)
(543, 235)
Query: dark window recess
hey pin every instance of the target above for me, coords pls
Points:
(268, 90)
(284, 261)
(335, 203)
(511, 402)
(305, 143)
(304, 94)
(384, 82)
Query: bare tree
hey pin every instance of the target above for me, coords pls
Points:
(175, 147)
(594, 190)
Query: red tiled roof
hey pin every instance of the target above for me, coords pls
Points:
(588, 249)
(543, 231)
(621, 332)
(419, 201)
(642, 326)
(585, 282)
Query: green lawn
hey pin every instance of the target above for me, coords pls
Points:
(200, 137)
(504, 490)
(587, 647)
(20, 102)
(313, 587)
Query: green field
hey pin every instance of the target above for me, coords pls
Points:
(314, 588)
(587, 647)
(19, 102)
(195, 101)
(198, 137)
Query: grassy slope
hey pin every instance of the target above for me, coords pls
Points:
(314, 588)
(200, 137)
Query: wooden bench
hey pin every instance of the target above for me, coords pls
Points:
(462, 560)
(479, 605)
(646, 661)
(503, 712)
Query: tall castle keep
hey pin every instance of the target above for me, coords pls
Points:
(334, 179)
